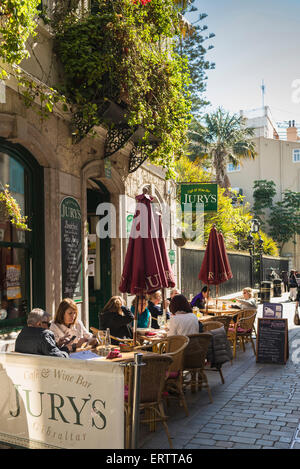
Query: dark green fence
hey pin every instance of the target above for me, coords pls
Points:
(191, 260)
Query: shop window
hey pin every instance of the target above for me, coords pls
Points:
(14, 249)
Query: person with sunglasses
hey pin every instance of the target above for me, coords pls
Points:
(36, 338)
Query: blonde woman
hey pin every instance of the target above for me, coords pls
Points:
(117, 318)
(248, 301)
(67, 325)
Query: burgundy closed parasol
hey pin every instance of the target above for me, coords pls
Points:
(147, 267)
(225, 256)
(215, 268)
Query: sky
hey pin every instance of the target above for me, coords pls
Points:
(255, 40)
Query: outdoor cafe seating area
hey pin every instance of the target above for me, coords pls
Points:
(146, 269)
(176, 365)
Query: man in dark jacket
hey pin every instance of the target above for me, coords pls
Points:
(35, 339)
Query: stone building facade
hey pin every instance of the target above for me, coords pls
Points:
(47, 172)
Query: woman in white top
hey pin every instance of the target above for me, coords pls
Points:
(183, 321)
(66, 325)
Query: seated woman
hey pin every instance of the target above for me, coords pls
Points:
(200, 299)
(248, 301)
(144, 316)
(117, 318)
(66, 325)
(155, 307)
(183, 321)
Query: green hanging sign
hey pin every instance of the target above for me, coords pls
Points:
(199, 193)
(172, 256)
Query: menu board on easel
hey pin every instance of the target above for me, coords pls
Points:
(71, 249)
(272, 341)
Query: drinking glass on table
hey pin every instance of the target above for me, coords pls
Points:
(160, 321)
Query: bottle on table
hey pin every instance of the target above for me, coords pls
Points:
(107, 341)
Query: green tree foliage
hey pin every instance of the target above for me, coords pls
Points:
(263, 194)
(284, 216)
(224, 138)
(192, 44)
(284, 220)
(233, 220)
(17, 23)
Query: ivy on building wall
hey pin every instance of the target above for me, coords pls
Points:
(124, 52)
(121, 51)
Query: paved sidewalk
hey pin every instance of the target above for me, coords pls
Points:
(258, 407)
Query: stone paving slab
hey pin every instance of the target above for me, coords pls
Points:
(258, 407)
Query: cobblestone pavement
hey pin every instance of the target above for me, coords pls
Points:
(258, 407)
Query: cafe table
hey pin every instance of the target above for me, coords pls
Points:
(204, 318)
(213, 311)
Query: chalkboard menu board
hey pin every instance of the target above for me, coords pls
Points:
(71, 249)
(272, 341)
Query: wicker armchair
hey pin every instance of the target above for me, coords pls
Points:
(174, 347)
(241, 331)
(194, 361)
(225, 320)
(209, 325)
(153, 378)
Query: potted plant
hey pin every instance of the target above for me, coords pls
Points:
(10, 210)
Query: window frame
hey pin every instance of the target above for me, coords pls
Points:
(296, 151)
(35, 239)
(235, 168)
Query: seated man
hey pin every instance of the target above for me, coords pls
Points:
(36, 339)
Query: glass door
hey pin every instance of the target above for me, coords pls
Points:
(99, 259)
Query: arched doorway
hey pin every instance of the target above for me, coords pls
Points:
(22, 268)
(99, 254)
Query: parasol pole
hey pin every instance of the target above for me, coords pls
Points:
(207, 299)
(163, 291)
(217, 293)
(136, 312)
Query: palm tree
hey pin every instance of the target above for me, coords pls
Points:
(224, 139)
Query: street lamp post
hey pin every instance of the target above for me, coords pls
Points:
(253, 251)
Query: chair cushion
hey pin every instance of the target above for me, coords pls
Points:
(243, 331)
(172, 374)
(240, 330)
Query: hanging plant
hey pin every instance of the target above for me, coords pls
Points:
(10, 210)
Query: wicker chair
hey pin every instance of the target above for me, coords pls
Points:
(174, 347)
(153, 378)
(225, 320)
(209, 325)
(241, 331)
(194, 361)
